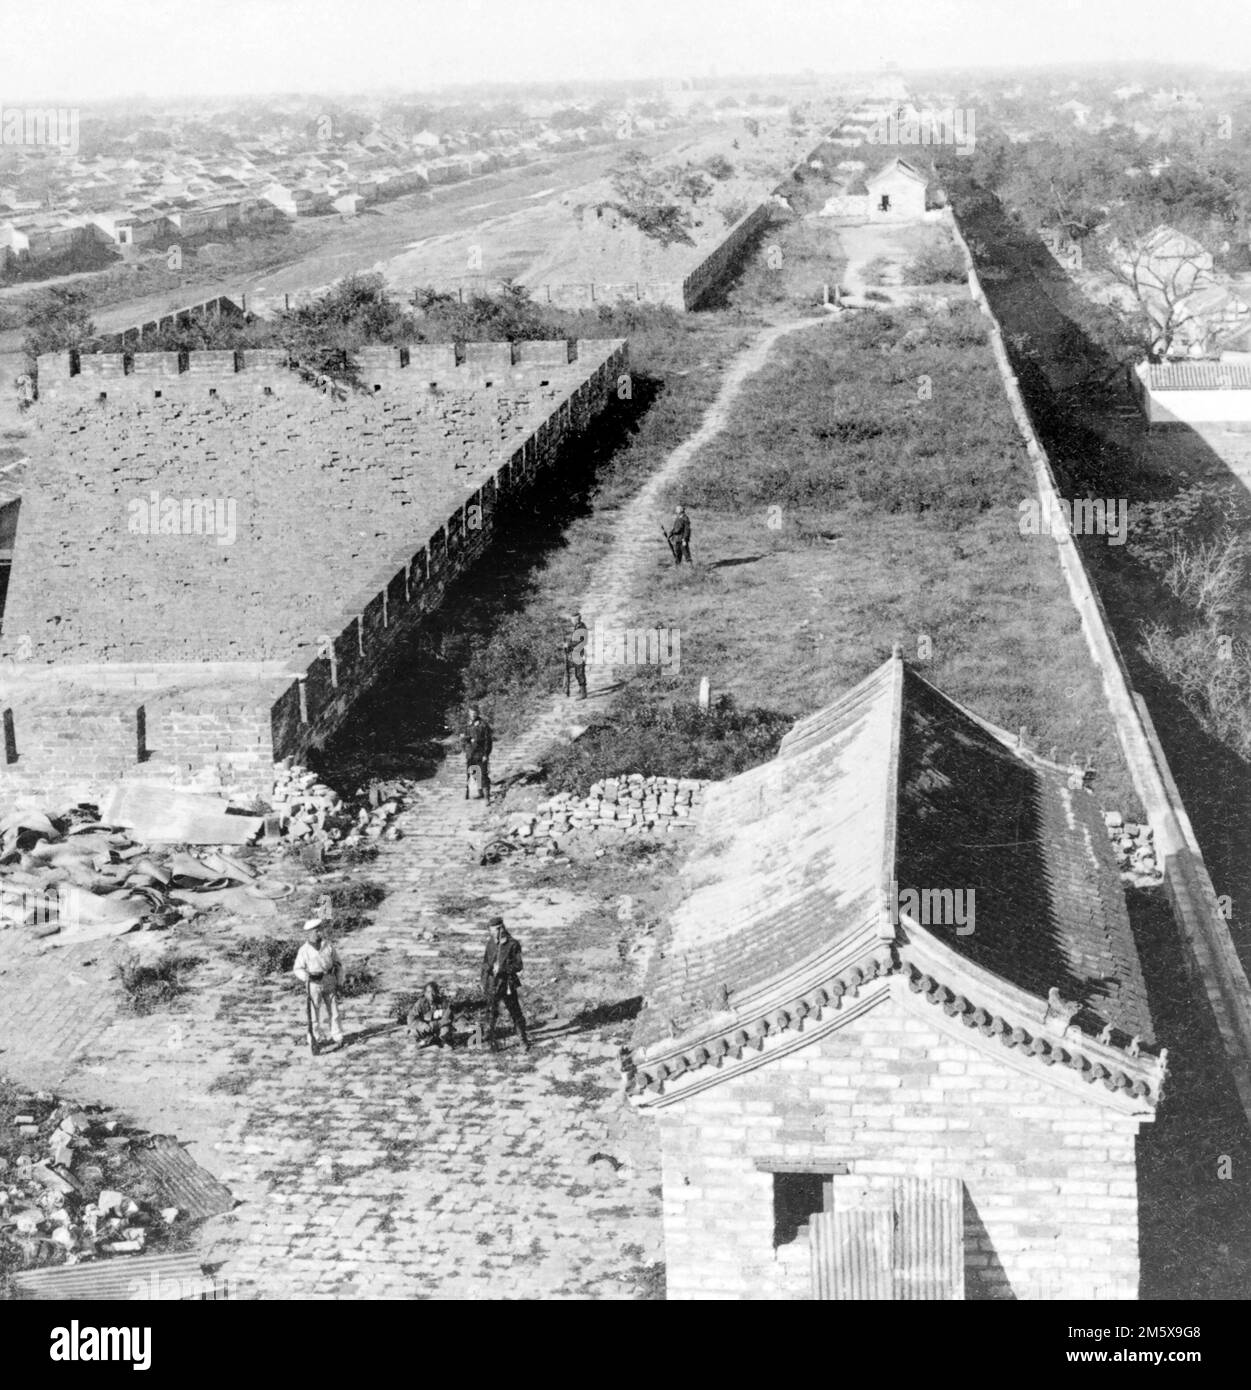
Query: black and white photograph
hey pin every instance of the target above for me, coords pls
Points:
(625, 664)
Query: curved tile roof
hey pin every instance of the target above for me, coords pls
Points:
(894, 786)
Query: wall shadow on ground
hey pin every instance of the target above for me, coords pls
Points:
(1215, 784)
(399, 727)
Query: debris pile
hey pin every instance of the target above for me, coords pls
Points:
(72, 1189)
(75, 877)
(303, 808)
(628, 805)
(1134, 846)
(151, 856)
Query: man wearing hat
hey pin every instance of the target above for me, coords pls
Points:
(318, 966)
(500, 967)
(575, 655)
(430, 1018)
(477, 743)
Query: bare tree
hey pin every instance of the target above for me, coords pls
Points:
(1161, 267)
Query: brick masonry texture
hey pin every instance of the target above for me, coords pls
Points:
(1050, 1181)
(351, 517)
(712, 270)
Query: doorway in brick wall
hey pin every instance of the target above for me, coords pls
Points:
(902, 1241)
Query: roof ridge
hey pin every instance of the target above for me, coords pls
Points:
(890, 815)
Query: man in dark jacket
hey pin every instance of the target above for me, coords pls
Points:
(575, 655)
(680, 536)
(477, 743)
(500, 967)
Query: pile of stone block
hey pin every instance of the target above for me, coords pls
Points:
(628, 805)
(304, 808)
(1134, 846)
(57, 1203)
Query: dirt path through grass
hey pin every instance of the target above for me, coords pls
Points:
(637, 545)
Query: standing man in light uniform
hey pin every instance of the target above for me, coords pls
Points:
(318, 966)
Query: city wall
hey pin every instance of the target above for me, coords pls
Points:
(75, 726)
(363, 639)
(1189, 886)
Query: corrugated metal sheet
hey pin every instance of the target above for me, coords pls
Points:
(928, 1259)
(851, 1253)
(903, 1245)
(180, 1182)
(163, 1278)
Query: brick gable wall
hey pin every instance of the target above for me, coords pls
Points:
(1050, 1181)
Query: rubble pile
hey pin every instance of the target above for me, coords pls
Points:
(67, 1193)
(70, 877)
(627, 805)
(1134, 846)
(78, 875)
(303, 808)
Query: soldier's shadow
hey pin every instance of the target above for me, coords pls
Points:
(733, 560)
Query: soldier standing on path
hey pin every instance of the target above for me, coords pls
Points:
(575, 655)
(318, 966)
(477, 743)
(500, 967)
(679, 536)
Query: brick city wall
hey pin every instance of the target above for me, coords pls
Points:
(721, 260)
(1191, 893)
(58, 754)
(362, 641)
(1050, 1181)
(677, 294)
(320, 488)
(290, 611)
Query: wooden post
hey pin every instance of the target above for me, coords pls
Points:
(705, 693)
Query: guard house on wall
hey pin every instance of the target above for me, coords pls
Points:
(896, 193)
(896, 1037)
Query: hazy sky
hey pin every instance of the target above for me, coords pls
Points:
(86, 49)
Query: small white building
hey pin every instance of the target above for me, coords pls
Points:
(1193, 393)
(896, 193)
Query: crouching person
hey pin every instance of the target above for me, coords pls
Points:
(430, 1018)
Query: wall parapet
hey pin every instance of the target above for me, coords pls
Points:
(468, 363)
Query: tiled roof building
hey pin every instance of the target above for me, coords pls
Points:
(902, 989)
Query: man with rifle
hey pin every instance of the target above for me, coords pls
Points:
(476, 743)
(679, 536)
(575, 655)
(500, 967)
(319, 969)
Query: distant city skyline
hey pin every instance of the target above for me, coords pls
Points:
(91, 50)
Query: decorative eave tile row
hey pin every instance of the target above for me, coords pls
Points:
(1141, 1076)
(1121, 1069)
(730, 1043)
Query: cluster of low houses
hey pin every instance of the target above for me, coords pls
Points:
(1203, 371)
(178, 193)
